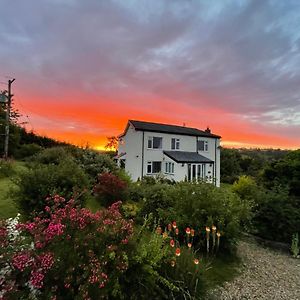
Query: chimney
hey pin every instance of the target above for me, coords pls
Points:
(207, 129)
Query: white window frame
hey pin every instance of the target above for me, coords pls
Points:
(205, 145)
(169, 167)
(150, 139)
(150, 165)
(176, 144)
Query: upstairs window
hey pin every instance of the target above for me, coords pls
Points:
(153, 167)
(175, 144)
(202, 146)
(154, 142)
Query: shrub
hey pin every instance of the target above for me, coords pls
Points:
(277, 216)
(203, 203)
(27, 150)
(52, 156)
(110, 188)
(93, 162)
(6, 168)
(36, 184)
(70, 254)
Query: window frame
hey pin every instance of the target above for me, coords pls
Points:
(205, 145)
(176, 144)
(169, 167)
(150, 142)
(150, 165)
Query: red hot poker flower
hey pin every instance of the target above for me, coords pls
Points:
(176, 231)
(172, 243)
(177, 252)
(174, 224)
(192, 232)
(188, 230)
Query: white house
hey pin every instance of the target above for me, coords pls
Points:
(177, 152)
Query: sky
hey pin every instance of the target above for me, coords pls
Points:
(83, 68)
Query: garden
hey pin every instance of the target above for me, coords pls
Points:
(85, 231)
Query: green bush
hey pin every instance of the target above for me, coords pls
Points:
(277, 216)
(93, 162)
(6, 168)
(52, 156)
(201, 204)
(27, 150)
(148, 257)
(196, 205)
(64, 178)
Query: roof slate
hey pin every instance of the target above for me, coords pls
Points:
(165, 128)
(187, 157)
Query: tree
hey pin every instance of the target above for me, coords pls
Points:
(112, 143)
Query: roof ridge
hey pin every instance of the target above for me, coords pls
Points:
(165, 124)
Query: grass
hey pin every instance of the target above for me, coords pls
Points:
(8, 207)
(223, 268)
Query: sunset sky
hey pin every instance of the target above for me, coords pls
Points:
(84, 67)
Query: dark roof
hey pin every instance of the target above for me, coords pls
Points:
(187, 157)
(165, 128)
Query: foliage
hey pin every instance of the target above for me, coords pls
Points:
(295, 245)
(202, 203)
(285, 171)
(230, 167)
(192, 204)
(112, 143)
(110, 188)
(150, 254)
(250, 162)
(41, 181)
(70, 254)
(246, 188)
(54, 155)
(93, 162)
(277, 215)
(6, 168)
(27, 150)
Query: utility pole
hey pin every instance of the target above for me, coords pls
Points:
(8, 118)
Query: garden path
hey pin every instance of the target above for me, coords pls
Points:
(265, 274)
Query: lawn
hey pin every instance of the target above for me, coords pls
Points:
(7, 206)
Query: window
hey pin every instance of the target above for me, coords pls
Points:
(153, 167)
(202, 146)
(154, 142)
(169, 168)
(175, 144)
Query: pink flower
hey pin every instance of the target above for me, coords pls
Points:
(36, 279)
(47, 260)
(21, 261)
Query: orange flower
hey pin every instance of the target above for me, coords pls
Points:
(218, 234)
(196, 261)
(176, 231)
(213, 228)
(165, 235)
(188, 230)
(173, 263)
(169, 227)
(207, 229)
(172, 243)
(192, 232)
(158, 230)
(177, 251)
(174, 224)
(190, 245)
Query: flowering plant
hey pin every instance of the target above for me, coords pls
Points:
(65, 253)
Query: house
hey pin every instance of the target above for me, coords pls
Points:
(178, 152)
